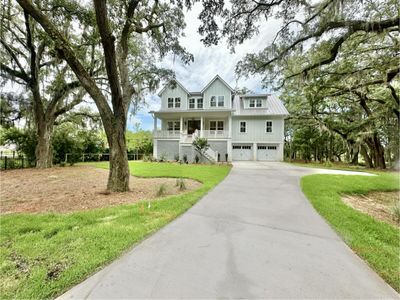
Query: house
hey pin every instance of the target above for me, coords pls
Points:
(237, 127)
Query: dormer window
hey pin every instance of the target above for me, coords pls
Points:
(192, 103)
(255, 103)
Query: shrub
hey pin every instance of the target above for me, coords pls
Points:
(226, 157)
(62, 164)
(200, 144)
(180, 183)
(185, 159)
(176, 157)
(396, 211)
(163, 157)
(162, 190)
(197, 159)
(147, 158)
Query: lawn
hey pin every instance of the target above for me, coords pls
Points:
(378, 243)
(42, 255)
(329, 165)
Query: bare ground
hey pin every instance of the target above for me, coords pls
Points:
(73, 189)
(376, 204)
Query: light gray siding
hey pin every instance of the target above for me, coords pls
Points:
(167, 149)
(173, 93)
(221, 147)
(256, 129)
(188, 151)
(217, 88)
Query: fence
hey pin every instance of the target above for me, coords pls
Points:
(86, 157)
(14, 162)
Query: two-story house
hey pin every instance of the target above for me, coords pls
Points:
(237, 127)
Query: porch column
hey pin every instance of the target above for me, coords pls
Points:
(230, 127)
(155, 123)
(201, 126)
(181, 126)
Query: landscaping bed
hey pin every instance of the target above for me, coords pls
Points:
(380, 205)
(75, 188)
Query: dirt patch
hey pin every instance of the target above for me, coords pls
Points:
(376, 204)
(73, 189)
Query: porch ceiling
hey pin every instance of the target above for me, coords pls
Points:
(193, 114)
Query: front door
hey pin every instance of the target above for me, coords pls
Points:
(193, 125)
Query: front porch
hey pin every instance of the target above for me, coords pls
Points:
(217, 126)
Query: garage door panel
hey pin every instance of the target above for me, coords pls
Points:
(267, 152)
(242, 152)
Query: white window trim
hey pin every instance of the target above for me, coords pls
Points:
(240, 132)
(216, 101)
(173, 125)
(216, 125)
(272, 127)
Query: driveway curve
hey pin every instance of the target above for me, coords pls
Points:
(254, 236)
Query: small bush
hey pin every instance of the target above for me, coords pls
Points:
(185, 159)
(180, 183)
(197, 159)
(62, 164)
(328, 164)
(162, 190)
(226, 157)
(396, 211)
(148, 158)
(176, 157)
(163, 157)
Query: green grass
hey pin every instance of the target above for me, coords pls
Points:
(42, 255)
(378, 243)
(334, 166)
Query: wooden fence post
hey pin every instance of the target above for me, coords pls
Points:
(5, 162)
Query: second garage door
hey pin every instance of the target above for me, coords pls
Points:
(242, 152)
(267, 152)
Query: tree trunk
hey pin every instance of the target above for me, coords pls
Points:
(118, 178)
(44, 153)
(367, 157)
(379, 153)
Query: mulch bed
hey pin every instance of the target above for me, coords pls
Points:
(376, 204)
(74, 188)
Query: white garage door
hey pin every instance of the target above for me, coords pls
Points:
(242, 152)
(267, 152)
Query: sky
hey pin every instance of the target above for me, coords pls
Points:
(208, 62)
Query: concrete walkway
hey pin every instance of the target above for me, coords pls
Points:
(254, 236)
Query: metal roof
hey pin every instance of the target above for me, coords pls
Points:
(168, 84)
(274, 106)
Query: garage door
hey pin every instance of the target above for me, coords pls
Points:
(267, 152)
(242, 152)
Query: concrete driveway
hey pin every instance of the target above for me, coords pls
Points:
(254, 236)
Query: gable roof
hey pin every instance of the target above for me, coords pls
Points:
(215, 78)
(168, 84)
(274, 107)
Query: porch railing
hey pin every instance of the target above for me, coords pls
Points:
(166, 134)
(215, 134)
(208, 134)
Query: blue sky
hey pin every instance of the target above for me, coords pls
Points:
(208, 62)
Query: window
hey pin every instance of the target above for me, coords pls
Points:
(170, 102)
(262, 147)
(199, 102)
(221, 101)
(258, 103)
(252, 103)
(213, 101)
(243, 127)
(177, 102)
(173, 125)
(216, 125)
(237, 147)
(255, 103)
(268, 126)
(246, 147)
(271, 147)
(192, 103)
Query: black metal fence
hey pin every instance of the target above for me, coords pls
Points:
(87, 157)
(16, 162)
